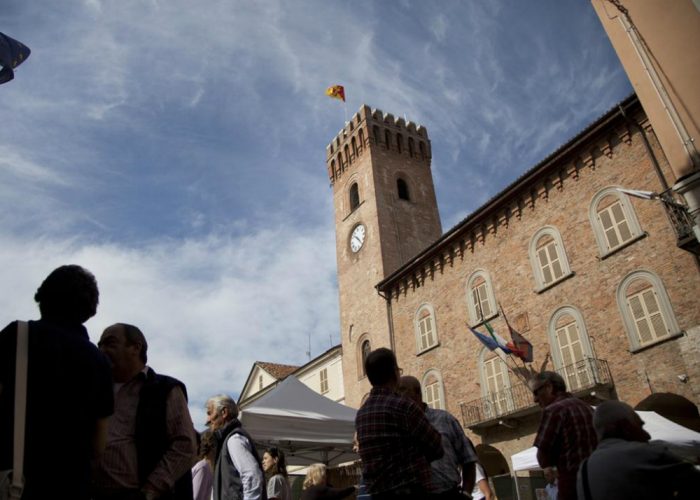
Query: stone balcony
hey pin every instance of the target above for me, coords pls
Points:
(583, 379)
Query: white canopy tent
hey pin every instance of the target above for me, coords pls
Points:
(308, 427)
(679, 439)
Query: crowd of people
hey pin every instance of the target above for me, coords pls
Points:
(101, 424)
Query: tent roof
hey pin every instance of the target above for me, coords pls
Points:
(681, 440)
(307, 426)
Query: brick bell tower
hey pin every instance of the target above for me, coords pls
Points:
(385, 214)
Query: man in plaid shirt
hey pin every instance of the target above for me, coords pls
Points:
(566, 436)
(396, 441)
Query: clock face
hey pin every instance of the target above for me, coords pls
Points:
(357, 238)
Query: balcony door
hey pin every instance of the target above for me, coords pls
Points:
(572, 349)
(499, 400)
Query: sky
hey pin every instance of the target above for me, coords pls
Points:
(177, 150)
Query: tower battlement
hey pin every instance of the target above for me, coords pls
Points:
(372, 128)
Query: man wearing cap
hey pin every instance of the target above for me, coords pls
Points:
(566, 436)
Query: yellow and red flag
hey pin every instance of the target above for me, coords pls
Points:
(336, 92)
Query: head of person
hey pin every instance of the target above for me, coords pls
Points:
(546, 386)
(273, 462)
(207, 446)
(615, 419)
(221, 409)
(316, 475)
(126, 347)
(550, 474)
(409, 387)
(382, 369)
(68, 295)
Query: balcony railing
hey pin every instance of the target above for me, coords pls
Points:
(581, 376)
(682, 223)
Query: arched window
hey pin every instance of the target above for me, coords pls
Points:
(361, 135)
(646, 310)
(341, 166)
(422, 150)
(348, 158)
(571, 348)
(365, 349)
(433, 390)
(353, 142)
(411, 147)
(387, 139)
(354, 196)
(613, 220)
(399, 142)
(402, 189)
(495, 385)
(425, 327)
(481, 301)
(375, 132)
(548, 258)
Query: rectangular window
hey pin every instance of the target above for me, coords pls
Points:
(324, 380)
(573, 358)
(480, 300)
(615, 226)
(432, 395)
(497, 385)
(550, 264)
(648, 319)
(427, 336)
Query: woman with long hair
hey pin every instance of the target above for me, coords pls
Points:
(202, 472)
(275, 468)
(316, 486)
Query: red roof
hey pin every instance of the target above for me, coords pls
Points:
(276, 370)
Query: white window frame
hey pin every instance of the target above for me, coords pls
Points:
(490, 297)
(323, 380)
(672, 327)
(635, 229)
(433, 372)
(551, 231)
(585, 340)
(417, 326)
(489, 410)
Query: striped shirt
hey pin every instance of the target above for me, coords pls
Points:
(119, 464)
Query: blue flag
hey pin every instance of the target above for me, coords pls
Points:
(485, 339)
(12, 54)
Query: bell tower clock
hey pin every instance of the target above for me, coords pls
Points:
(385, 213)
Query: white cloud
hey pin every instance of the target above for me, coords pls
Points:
(209, 308)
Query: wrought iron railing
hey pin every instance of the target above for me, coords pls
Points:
(581, 376)
(682, 223)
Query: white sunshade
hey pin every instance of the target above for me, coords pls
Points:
(307, 426)
(680, 440)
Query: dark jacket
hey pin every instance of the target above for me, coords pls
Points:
(227, 480)
(151, 436)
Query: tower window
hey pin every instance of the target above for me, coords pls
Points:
(422, 150)
(387, 139)
(354, 196)
(353, 142)
(411, 147)
(362, 139)
(399, 142)
(375, 131)
(341, 167)
(402, 188)
(347, 155)
(366, 348)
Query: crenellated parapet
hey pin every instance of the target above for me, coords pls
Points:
(373, 129)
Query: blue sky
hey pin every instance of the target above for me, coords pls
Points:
(177, 150)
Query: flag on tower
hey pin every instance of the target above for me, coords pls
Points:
(336, 92)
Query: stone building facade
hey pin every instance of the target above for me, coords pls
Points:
(586, 272)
